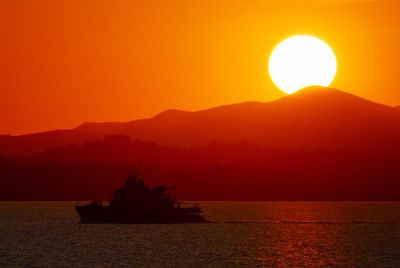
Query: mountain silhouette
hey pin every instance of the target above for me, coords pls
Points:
(313, 118)
(235, 171)
(317, 144)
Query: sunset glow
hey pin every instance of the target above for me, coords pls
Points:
(260, 133)
(64, 61)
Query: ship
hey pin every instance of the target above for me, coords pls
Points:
(135, 202)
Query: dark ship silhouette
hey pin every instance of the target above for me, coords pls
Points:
(134, 202)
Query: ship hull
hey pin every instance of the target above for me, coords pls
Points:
(105, 214)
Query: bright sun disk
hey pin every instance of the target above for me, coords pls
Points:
(301, 61)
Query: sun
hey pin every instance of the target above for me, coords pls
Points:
(300, 61)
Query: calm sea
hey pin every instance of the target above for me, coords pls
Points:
(255, 234)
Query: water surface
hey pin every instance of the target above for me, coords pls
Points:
(269, 234)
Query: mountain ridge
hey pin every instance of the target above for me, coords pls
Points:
(312, 118)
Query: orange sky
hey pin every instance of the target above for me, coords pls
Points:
(69, 61)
